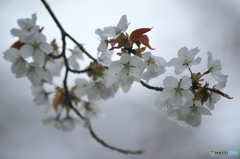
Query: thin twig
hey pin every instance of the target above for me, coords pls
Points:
(68, 97)
(80, 71)
(82, 48)
(64, 32)
(55, 56)
(111, 147)
(151, 87)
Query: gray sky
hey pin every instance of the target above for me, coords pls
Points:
(132, 121)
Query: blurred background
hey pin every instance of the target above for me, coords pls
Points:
(132, 121)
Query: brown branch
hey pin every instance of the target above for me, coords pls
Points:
(68, 97)
(151, 87)
(111, 147)
(64, 32)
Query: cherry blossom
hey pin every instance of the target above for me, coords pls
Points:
(54, 66)
(125, 71)
(92, 110)
(113, 31)
(215, 67)
(105, 58)
(40, 96)
(186, 100)
(28, 29)
(155, 66)
(95, 90)
(186, 58)
(36, 48)
(37, 75)
(103, 44)
(192, 112)
(76, 54)
(19, 65)
(66, 124)
(174, 91)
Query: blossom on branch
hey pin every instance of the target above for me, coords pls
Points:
(114, 31)
(28, 29)
(37, 75)
(174, 92)
(186, 58)
(191, 113)
(72, 60)
(19, 65)
(92, 109)
(40, 96)
(215, 67)
(155, 66)
(66, 124)
(95, 90)
(36, 48)
(125, 71)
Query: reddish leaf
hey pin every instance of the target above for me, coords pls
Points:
(144, 40)
(54, 44)
(57, 100)
(220, 92)
(139, 32)
(17, 45)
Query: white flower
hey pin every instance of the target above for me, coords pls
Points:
(76, 54)
(105, 58)
(37, 75)
(155, 66)
(54, 66)
(186, 58)
(36, 48)
(66, 124)
(95, 90)
(40, 96)
(192, 112)
(125, 71)
(215, 67)
(92, 110)
(121, 27)
(161, 103)
(28, 29)
(103, 44)
(174, 91)
(214, 98)
(19, 65)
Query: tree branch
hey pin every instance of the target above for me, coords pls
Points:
(111, 147)
(80, 71)
(68, 97)
(64, 32)
(82, 48)
(151, 87)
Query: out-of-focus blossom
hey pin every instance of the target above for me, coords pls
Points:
(37, 75)
(19, 65)
(114, 31)
(36, 48)
(28, 29)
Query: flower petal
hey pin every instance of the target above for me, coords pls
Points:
(26, 50)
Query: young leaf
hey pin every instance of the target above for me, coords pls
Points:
(139, 32)
(144, 40)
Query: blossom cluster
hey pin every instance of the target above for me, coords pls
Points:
(186, 99)
(32, 57)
